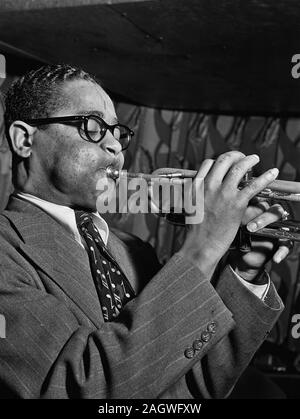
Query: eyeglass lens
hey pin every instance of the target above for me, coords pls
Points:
(95, 130)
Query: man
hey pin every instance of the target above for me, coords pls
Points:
(173, 334)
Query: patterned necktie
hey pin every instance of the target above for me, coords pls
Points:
(113, 288)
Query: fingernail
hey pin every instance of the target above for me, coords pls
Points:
(273, 173)
(277, 259)
(255, 155)
(279, 256)
(252, 227)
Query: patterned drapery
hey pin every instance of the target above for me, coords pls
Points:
(5, 155)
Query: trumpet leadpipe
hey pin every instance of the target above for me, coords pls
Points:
(285, 186)
(116, 174)
(283, 230)
(278, 189)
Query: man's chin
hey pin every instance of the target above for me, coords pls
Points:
(88, 205)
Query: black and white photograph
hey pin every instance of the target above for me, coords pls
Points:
(150, 203)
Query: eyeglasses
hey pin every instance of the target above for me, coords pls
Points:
(92, 129)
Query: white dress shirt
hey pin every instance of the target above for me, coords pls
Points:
(66, 217)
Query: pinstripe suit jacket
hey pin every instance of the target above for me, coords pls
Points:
(58, 346)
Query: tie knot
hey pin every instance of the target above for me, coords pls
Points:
(83, 218)
(87, 228)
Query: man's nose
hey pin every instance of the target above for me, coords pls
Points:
(111, 145)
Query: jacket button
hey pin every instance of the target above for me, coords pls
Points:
(205, 336)
(189, 353)
(212, 327)
(197, 345)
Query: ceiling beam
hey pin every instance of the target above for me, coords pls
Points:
(10, 49)
(19, 5)
(229, 56)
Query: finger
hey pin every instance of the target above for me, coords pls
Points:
(222, 165)
(257, 199)
(239, 169)
(254, 210)
(273, 214)
(205, 168)
(260, 201)
(258, 184)
(281, 254)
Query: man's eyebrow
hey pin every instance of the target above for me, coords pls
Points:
(97, 113)
(91, 112)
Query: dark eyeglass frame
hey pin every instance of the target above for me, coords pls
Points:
(84, 118)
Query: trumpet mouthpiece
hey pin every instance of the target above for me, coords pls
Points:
(112, 173)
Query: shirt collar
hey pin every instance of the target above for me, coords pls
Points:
(66, 216)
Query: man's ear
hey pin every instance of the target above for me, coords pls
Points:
(21, 136)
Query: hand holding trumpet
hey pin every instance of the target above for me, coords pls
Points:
(258, 215)
(225, 208)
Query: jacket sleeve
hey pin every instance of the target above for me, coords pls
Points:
(216, 372)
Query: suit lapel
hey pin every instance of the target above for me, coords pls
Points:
(50, 247)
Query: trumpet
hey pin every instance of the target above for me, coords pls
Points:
(281, 190)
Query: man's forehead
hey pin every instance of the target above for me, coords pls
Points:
(87, 97)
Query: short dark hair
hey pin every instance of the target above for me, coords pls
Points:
(37, 93)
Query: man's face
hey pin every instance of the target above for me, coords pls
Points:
(72, 166)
